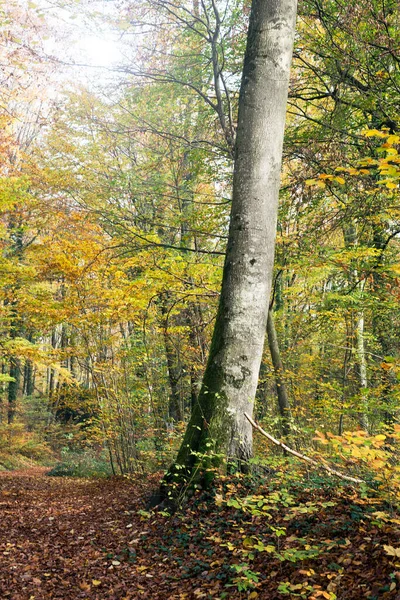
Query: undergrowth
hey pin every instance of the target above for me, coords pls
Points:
(87, 463)
(20, 449)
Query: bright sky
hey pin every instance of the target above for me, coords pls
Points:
(101, 51)
(82, 40)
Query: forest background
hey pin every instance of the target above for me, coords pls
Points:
(115, 198)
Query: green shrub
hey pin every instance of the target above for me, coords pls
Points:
(82, 464)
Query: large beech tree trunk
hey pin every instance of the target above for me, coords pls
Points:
(218, 428)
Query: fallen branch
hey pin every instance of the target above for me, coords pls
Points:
(301, 456)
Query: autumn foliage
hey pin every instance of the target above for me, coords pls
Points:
(114, 209)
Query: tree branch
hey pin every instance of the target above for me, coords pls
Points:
(301, 456)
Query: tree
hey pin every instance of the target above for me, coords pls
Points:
(218, 427)
(345, 79)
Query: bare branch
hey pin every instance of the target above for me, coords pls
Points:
(301, 456)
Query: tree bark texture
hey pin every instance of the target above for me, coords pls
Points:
(29, 379)
(281, 389)
(350, 240)
(13, 387)
(174, 366)
(218, 427)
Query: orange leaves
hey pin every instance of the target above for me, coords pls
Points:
(320, 437)
(322, 178)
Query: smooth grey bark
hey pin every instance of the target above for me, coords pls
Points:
(362, 367)
(218, 427)
(350, 240)
(281, 389)
(51, 376)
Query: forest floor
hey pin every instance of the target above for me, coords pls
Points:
(93, 539)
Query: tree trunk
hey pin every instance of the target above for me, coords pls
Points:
(28, 386)
(29, 378)
(281, 389)
(362, 367)
(13, 387)
(350, 240)
(175, 412)
(51, 376)
(218, 427)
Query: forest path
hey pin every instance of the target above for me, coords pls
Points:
(71, 538)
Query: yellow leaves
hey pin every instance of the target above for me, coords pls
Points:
(395, 269)
(315, 182)
(323, 594)
(373, 453)
(219, 499)
(373, 133)
(391, 185)
(377, 464)
(391, 551)
(355, 452)
(393, 139)
(387, 166)
(389, 150)
(21, 348)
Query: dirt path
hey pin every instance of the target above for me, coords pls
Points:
(68, 539)
(71, 539)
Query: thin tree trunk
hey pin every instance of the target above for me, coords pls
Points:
(281, 389)
(174, 369)
(29, 378)
(13, 387)
(52, 373)
(362, 367)
(2, 389)
(28, 382)
(218, 427)
(350, 239)
(346, 361)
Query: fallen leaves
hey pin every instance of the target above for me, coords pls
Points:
(71, 539)
(392, 551)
